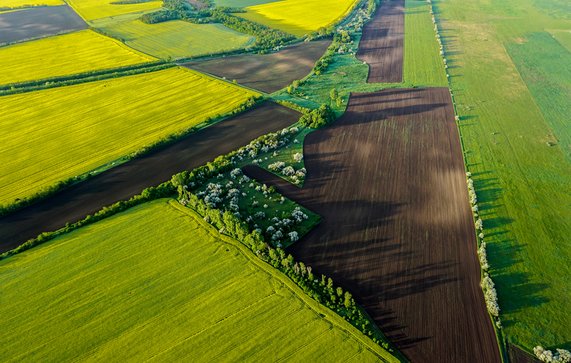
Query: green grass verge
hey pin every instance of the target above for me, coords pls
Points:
(156, 273)
(522, 182)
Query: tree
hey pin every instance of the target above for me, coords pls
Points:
(333, 94)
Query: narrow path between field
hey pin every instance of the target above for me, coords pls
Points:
(131, 178)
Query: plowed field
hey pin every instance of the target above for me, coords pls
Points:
(382, 43)
(388, 180)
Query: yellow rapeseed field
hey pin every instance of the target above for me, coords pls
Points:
(299, 17)
(54, 134)
(97, 9)
(66, 54)
(25, 3)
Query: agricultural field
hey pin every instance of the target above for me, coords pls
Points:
(158, 273)
(125, 180)
(423, 64)
(266, 72)
(96, 9)
(118, 123)
(175, 39)
(396, 226)
(381, 45)
(62, 55)
(29, 3)
(543, 64)
(563, 37)
(299, 17)
(38, 22)
(242, 3)
(522, 176)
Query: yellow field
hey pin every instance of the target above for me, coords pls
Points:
(299, 17)
(55, 134)
(22, 3)
(97, 9)
(63, 55)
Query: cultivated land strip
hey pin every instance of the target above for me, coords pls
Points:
(388, 180)
(126, 180)
(382, 43)
(266, 72)
(38, 22)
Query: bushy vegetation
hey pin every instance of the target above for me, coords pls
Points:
(560, 355)
(175, 100)
(215, 299)
(318, 118)
(64, 55)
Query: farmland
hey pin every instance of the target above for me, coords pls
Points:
(38, 22)
(128, 179)
(544, 66)
(175, 39)
(32, 157)
(397, 229)
(422, 61)
(523, 181)
(267, 72)
(97, 9)
(381, 45)
(299, 17)
(29, 3)
(164, 276)
(64, 55)
(242, 3)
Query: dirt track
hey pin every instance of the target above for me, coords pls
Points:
(382, 43)
(268, 72)
(129, 179)
(38, 22)
(388, 180)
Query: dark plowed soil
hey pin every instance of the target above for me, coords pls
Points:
(388, 180)
(517, 355)
(38, 22)
(267, 72)
(382, 43)
(129, 179)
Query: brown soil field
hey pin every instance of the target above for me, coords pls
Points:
(128, 179)
(266, 72)
(382, 43)
(516, 355)
(38, 22)
(397, 230)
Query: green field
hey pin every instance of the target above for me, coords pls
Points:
(97, 9)
(545, 67)
(563, 37)
(299, 17)
(62, 55)
(522, 182)
(175, 39)
(55, 134)
(423, 63)
(156, 282)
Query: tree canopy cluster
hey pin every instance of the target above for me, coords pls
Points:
(318, 118)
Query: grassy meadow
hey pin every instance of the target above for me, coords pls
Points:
(299, 17)
(522, 179)
(62, 55)
(54, 134)
(97, 9)
(175, 39)
(157, 282)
